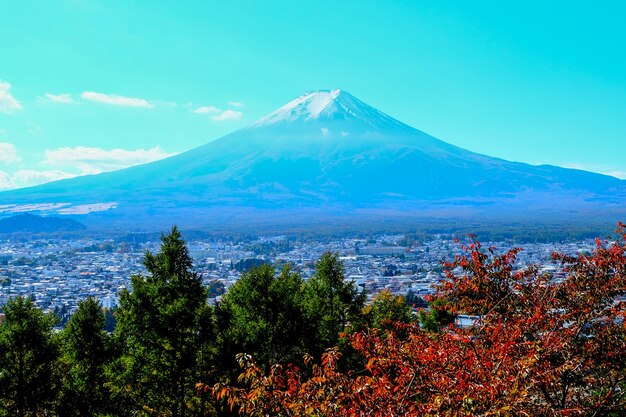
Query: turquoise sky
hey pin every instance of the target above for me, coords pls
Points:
(87, 86)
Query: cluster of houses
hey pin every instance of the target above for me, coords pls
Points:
(59, 273)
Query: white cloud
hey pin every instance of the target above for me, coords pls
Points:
(217, 114)
(95, 160)
(324, 131)
(5, 181)
(227, 115)
(236, 103)
(27, 178)
(8, 103)
(207, 110)
(115, 100)
(71, 162)
(8, 153)
(60, 98)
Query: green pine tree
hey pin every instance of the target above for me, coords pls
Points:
(86, 352)
(28, 354)
(331, 303)
(163, 328)
(437, 316)
(387, 309)
(262, 314)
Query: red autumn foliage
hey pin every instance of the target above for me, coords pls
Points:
(539, 347)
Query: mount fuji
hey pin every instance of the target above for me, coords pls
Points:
(326, 153)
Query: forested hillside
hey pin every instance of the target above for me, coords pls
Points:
(279, 345)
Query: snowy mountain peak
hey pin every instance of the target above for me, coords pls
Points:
(327, 105)
(306, 107)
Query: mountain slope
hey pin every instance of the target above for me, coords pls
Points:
(327, 149)
(27, 223)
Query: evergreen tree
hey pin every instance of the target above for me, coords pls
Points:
(412, 299)
(27, 357)
(387, 309)
(262, 314)
(438, 316)
(331, 303)
(163, 325)
(86, 352)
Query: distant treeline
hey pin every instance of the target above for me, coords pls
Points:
(520, 231)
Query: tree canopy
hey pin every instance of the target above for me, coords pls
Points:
(331, 303)
(529, 344)
(163, 325)
(28, 383)
(86, 351)
(537, 347)
(263, 314)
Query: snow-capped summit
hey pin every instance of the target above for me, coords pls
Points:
(306, 107)
(329, 105)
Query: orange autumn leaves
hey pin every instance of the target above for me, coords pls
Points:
(539, 347)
